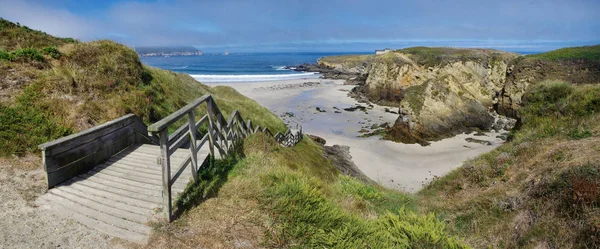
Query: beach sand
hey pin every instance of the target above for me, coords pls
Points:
(405, 167)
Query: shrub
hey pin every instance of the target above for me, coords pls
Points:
(6, 55)
(28, 54)
(52, 52)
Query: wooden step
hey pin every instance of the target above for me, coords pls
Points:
(94, 223)
(103, 207)
(152, 192)
(106, 201)
(122, 192)
(113, 196)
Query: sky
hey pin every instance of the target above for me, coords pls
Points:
(317, 26)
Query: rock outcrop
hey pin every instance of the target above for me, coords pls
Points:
(441, 92)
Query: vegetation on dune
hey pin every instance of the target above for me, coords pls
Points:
(15, 36)
(49, 91)
(287, 202)
(540, 189)
(590, 53)
(436, 56)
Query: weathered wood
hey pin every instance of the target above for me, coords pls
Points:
(165, 122)
(86, 163)
(67, 157)
(175, 145)
(194, 158)
(180, 170)
(166, 173)
(221, 131)
(211, 139)
(202, 142)
(74, 140)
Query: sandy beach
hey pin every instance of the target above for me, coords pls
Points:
(322, 107)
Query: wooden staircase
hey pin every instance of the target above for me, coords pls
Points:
(117, 177)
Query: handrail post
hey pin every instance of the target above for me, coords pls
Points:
(192, 128)
(223, 131)
(211, 139)
(166, 173)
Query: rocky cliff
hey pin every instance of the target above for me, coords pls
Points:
(441, 92)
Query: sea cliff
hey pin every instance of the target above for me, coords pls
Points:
(441, 92)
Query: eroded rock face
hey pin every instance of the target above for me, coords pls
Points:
(435, 101)
(442, 92)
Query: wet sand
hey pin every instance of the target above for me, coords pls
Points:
(405, 167)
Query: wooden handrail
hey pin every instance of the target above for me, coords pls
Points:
(165, 122)
(221, 134)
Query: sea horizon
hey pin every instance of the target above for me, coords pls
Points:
(248, 67)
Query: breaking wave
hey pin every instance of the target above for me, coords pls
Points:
(213, 78)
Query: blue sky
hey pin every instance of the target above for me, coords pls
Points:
(306, 25)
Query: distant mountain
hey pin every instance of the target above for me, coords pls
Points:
(168, 51)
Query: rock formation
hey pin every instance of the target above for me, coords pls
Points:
(442, 92)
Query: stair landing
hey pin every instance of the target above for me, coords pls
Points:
(120, 196)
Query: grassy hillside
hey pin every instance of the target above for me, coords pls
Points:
(55, 91)
(280, 197)
(590, 53)
(440, 56)
(14, 36)
(542, 189)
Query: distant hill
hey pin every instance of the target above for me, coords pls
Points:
(168, 51)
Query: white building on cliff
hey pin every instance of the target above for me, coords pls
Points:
(383, 51)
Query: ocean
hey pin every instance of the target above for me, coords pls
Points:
(242, 67)
(239, 67)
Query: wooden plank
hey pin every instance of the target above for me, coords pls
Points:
(65, 158)
(180, 170)
(194, 156)
(106, 201)
(178, 133)
(148, 155)
(119, 191)
(203, 120)
(113, 196)
(132, 166)
(97, 214)
(166, 161)
(130, 172)
(97, 224)
(85, 164)
(211, 139)
(151, 192)
(74, 140)
(154, 151)
(165, 122)
(82, 200)
(179, 143)
(202, 142)
(123, 164)
(128, 182)
(232, 118)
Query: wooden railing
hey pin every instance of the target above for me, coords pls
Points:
(72, 155)
(221, 134)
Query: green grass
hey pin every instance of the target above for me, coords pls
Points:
(590, 53)
(440, 56)
(542, 186)
(15, 36)
(315, 210)
(307, 204)
(80, 85)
